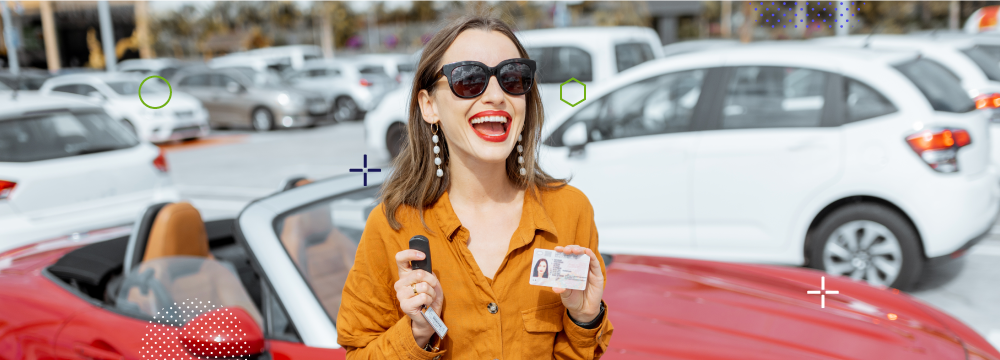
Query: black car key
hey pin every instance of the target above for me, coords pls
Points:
(421, 244)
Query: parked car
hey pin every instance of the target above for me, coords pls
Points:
(353, 88)
(785, 153)
(396, 65)
(963, 56)
(591, 55)
(277, 272)
(243, 97)
(27, 79)
(683, 47)
(278, 58)
(182, 118)
(165, 67)
(66, 166)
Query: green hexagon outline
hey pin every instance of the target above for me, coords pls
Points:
(567, 82)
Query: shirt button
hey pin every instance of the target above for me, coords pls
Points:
(492, 307)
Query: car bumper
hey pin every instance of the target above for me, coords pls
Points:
(949, 230)
(179, 128)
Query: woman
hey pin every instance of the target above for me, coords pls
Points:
(541, 269)
(467, 180)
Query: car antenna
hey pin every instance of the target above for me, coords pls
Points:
(868, 39)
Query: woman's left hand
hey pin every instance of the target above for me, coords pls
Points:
(583, 305)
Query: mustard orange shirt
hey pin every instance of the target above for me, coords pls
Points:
(530, 321)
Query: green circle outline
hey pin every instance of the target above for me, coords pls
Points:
(168, 96)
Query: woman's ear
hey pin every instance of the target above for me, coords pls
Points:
(427, 108)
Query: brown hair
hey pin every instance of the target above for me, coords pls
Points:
(413, 181)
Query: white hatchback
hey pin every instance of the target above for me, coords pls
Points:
(65, 165)
(863, 163)
(182, 118)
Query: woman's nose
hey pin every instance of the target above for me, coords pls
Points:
(493, 94)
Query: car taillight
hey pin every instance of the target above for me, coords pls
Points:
(160, 163)
(988, 101)
(939, 147)
(399, 78)
(6, 187)
(365, 82)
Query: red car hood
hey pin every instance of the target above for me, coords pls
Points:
(667, 308)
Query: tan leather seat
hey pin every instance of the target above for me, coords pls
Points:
(177, 230)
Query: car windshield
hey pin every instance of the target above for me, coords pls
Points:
(61, 134)
(942, 89)
(132, 87)
(984, 61)
(321, 240)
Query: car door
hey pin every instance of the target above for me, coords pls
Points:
(236, 105)
(198, 85)
(773, 142)
(305, 239)
(635, 165)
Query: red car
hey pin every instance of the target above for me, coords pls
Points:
(268, 284)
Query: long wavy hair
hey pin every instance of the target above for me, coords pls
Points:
(534, 273)
(413, 181)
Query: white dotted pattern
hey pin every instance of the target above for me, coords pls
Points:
(214, 335)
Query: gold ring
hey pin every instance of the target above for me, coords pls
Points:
(414, 286)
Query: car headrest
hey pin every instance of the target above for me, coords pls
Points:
(140, 233)
(178, 230)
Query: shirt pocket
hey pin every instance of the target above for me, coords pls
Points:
(541, 325)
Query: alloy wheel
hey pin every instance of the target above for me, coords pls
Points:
(864, 250)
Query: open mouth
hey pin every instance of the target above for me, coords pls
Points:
(491, 125)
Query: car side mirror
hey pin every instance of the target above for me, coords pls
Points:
(228, 332)
(576, 135)
(234, 88)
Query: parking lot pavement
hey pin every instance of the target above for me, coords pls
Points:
(221, 176)
(969, 288)
(224, 172)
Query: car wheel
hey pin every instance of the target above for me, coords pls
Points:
(344, 108)
(395, 139)
(262, 119)
(129, 126)
(868, 242)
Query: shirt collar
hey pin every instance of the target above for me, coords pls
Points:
(533, 217)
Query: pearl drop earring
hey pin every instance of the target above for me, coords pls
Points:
(437, 150)
(520, 155)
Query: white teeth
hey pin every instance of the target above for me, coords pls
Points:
(499, 119)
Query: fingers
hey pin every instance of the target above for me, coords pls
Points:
(404, 257)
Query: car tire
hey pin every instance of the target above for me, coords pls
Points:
(128, 125)
(345, 108)
(868, 242)
(262, 119)
(395, 139)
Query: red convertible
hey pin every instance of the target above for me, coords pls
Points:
(267, 285)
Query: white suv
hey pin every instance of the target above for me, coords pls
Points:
(66, 166)
(591, 55)
(863, 163)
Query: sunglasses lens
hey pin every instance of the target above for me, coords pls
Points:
(515, 78)
(468, 80)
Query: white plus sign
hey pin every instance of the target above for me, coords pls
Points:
(820, 292)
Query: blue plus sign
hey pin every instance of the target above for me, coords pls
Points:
(366, 170)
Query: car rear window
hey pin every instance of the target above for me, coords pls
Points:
(632, 54)
(558, 64)
(62, 134)
(939, 86)
(988, 64)
(992, 50)
(372, 70)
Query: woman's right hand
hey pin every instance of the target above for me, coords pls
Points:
(428, 293)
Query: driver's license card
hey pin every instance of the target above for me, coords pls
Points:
(555, 269)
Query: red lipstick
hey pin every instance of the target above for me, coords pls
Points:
(490, 137)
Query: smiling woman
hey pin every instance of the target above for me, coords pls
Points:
(468, 181)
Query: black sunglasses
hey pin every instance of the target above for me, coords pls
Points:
(468, 79)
